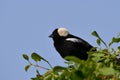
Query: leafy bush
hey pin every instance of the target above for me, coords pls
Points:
(102, 64)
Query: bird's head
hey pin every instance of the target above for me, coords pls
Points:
(59, 32)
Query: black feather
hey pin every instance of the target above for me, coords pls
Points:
(71, 45)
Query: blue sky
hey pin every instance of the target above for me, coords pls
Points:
(26, 24)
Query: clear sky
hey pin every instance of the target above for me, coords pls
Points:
(26, 24)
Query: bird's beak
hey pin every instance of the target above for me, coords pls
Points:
(51, 36)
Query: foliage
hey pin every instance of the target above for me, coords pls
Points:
(102, 64)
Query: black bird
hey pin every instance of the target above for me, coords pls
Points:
(69, 45)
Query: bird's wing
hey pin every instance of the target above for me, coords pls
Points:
(79, 42)
(77, 47)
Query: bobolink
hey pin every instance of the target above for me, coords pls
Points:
(69, 45)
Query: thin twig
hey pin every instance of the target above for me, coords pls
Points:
(40, 66)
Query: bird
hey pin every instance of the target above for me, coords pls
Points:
(67, 44)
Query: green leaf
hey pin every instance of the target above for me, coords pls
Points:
(118, 47)
(64, 75)
(114, 40)
(107, 71)
(25, 56)
(97, 57)
(73, 58)
(94, 33)
(36, 57)
(58, 69)
(48, 77)
(27, 67)
(77, 75)
(99, 42)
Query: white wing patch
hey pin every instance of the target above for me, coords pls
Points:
(73, 40)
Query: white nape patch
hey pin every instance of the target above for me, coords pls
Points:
(73, 40)
(63, 31)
